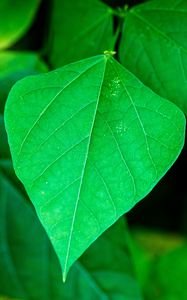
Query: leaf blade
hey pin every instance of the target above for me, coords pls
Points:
(15, 20)
(90, 33)
(109, 156)
(160, 61)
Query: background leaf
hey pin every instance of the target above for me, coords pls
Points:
(114, 139)
(156, 253)
(15, 19)
(79, 29)
(30, 270)
(14, 66)
(154, 47)
(5, 298)
(4, 151)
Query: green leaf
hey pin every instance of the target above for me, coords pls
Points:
(89, 141)
(172, 285)
(79, 29)
(5, 298)
(154, 47)
(19, 238)
(15, 19)
(14, 66)
(110, 264)
(29, 267)
(160, 251)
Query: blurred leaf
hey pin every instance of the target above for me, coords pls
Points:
(14, 66)
(4, 149)
(112, 269)
(89, 141)
(158, 243)
(170, 276)
(161, 264)
(29, 268)
(5, 298)
(15, 19)
(79, 29)
(7, 169)
(19, 259)
(154, 47)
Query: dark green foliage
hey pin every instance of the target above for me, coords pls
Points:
(88, 141)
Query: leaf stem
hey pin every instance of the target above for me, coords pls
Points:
(109, 53)
(119, 12)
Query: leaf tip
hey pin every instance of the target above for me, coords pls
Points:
(64, 276)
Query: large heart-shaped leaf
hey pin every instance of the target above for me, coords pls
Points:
(89, 141)
(154, 47)
(27, 260)
(15, 19)
(79, 29)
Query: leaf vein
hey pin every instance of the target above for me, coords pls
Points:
(48, 106)
(82, 176)
(156, 30)
(64, 123)
(122, 156)
(108, 192)
(57, 159)
(141, 124)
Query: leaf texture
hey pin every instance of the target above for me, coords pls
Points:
(78, 30)
(89, 141)
(154, 47)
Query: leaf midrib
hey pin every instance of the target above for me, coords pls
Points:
(82, 174)
(91, 27)
(156, 30)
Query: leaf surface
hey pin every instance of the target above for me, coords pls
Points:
(104, 272)
(154, 47)
(79, 29)
(15, 19)
(89, 141)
